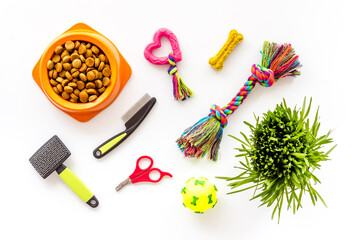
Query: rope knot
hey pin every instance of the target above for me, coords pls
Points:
(172, 69)
(219, 114)
(264, 76)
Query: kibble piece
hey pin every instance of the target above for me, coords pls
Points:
(80, 85)
(102, 58)
(59, 87)
(68, 89)
(83, 96)
(76, 92)
(51, 73)
(96, 73)
(59, 79)
(82, 77)
(98, 83)
(68, 76)
(83, 68)
(90, 62)
(95, 49)
(56, 90)
(76, 63)
(65, 82)
(88, 45)
(67, 66)
(106, 81)
(59, 49)
(91, 91)
(106, 72)
(101, 90)
(73, 100)
(101, 66)
(73, 70)
(77, 44)
(90, 76)
(58, 67)
(73, 85)
(74, 56)
(55, 74)
(88, 53)
(75, 74)
(90, 85)
(66, 59)
(72, 95)
(65, 95)
(82, 49)
(55, 58)
(82, 58)
(62, 73)
(74, 80)
(70, 45)
(92, 98)
(50, 65)
(97, 62)
(53, 82)
(64, 53)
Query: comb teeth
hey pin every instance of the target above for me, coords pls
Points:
(136, 107)
(50, 156)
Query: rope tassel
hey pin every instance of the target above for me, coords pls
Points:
(180, 90)
(204, 137)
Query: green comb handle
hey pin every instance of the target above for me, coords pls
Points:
(77, 186)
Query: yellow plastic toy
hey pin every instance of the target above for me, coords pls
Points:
(218, 60)
(199, 194)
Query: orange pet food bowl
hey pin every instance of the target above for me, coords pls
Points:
(121, 72)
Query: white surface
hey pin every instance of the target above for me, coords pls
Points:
(325, 35)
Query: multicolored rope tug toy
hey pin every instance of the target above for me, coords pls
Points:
(180, 90)
(204, 137)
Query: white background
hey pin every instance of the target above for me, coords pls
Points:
(325, 35)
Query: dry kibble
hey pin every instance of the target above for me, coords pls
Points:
(74, 56)
(65, 82)
(90, 85)
(106, 81)
(90, 62)
(92, 98)
(67, 66)
(76, 92)
(83, 68)
(77, 44)
(80, 85)
(82, 77)
(90, 76)
(95, 49)
(82, 49)
(68, 76)
(65, 95)
(70, 45)
(59, 49)
(101, 90)
(91, 91)
(83, 96)
(66, 59)
(59, 87)
(68, 89)
(88, 53)
(50, 65)
(58, 67)
(53, 82)
(76, 63)
(79, 71)
(56, 58)
(101, 66)
(98, 83)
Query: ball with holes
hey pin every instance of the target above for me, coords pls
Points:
(199, 194)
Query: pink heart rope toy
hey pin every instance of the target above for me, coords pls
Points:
(180, 90)
(204, 137)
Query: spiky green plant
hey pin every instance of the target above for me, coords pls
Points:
(280, 157)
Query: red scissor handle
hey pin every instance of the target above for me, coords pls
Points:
(139, 171)
(145, 177)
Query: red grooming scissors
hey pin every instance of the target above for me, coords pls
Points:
(142, 175)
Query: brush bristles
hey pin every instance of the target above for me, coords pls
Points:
(202, 138)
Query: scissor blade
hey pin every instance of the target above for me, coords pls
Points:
(122, 184)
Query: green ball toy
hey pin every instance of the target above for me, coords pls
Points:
(199, 194)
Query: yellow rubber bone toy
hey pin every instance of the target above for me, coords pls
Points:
(218, 60)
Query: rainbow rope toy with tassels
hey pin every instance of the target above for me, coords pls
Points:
(204, 137)
(180, 90)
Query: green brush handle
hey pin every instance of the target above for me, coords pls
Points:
(77, 186)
